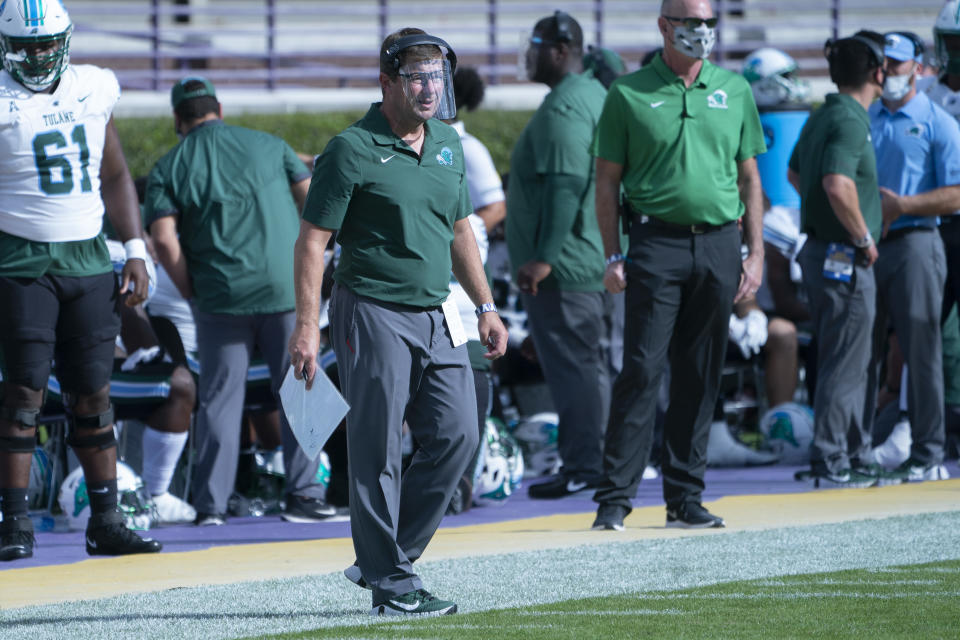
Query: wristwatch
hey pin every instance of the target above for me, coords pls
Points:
(616, 257)
(486, 307)
(864, 242)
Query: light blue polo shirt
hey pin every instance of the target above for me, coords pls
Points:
(917, 149)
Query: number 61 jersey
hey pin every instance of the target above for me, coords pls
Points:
(51, 146)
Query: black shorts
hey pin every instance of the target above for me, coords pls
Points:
(73, 321)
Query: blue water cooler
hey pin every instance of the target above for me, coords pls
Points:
(781, 128)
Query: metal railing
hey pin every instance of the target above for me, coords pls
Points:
(311, 43)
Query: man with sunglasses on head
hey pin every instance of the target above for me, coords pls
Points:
(833, 168)
(918, 169)
(555, 248)
(681, 136)
(393, 185)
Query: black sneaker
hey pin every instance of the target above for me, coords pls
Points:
(559, 486)
(303, 509)
(610, 517)
(692, 515)
(16, 538)
(210, 519)
(107, 535)
(414, 603)
(843, 479)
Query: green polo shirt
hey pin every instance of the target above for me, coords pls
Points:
(229, 188)
(680, 146)
(22, 258)
(394, 210)
(552, 216)
(836, 139)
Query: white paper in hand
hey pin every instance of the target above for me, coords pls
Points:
(313, 414)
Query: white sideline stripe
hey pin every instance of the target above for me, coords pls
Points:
(844, 583)
(625, 612)
(919, 570)
(801, 595)
(470, 627)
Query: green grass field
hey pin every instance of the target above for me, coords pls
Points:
(914, 601)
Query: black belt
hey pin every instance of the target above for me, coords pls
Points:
(894, 234)
(682, 229)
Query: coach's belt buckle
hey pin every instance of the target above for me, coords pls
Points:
(698, 228)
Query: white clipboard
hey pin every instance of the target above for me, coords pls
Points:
(313, 414)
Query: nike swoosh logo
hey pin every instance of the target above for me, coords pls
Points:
(654, 105)
(104, 490)
(406, 607)
(386, 160)
(92, 543)
(84, 97)
(573, 486)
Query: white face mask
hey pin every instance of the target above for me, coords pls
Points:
(895, 87)
(694, 43)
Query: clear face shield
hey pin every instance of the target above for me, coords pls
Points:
(528, 55)
(428, 88)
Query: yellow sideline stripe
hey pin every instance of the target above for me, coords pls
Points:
(104, 577)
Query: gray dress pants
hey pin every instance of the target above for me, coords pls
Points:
(911, 272)
(225, 343)
(396, 365)
(568, 330)
(843, 314)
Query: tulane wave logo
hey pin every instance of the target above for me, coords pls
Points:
(445, 157)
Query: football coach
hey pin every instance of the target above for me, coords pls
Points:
(394, 186)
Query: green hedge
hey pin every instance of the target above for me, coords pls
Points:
(145, 140)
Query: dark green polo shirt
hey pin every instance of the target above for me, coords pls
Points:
(230, 190)
(836, 139)
(395, 210)
(680, 146)
(552, 216)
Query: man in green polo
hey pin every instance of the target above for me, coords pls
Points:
(679, 135)
(833, 167)
(394, 187)
(222, 209)
(556, 252)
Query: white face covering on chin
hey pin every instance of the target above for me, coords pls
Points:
(895, 87)
(694, 43)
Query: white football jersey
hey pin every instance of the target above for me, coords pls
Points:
(51, 146)
(941, 95)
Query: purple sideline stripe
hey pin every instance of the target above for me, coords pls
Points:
(63, 548)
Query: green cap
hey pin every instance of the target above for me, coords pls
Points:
(179, 93)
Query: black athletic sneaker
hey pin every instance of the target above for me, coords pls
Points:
(414, 603)
(610, 517)
(559, 486)
(107, 535)
(692, 515)
(210, 519)
(16, 538)
(302, 509)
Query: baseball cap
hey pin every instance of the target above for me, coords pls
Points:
(901, 46)
(179, 92)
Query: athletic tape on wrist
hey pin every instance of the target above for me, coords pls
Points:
(135, 248)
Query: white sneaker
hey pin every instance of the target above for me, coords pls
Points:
(895, 450)
(173, 510)
(723, 450)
